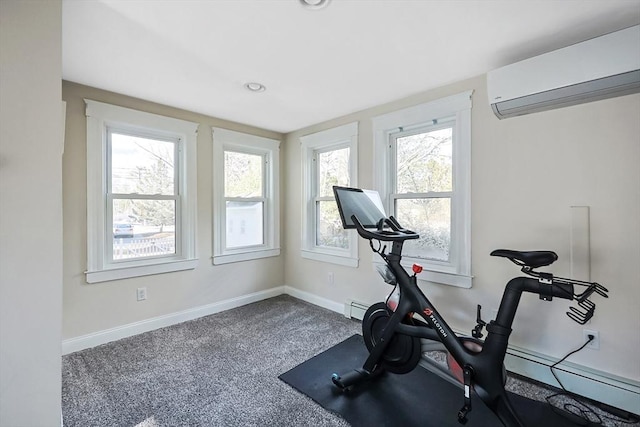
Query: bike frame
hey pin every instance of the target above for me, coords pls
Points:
(482, 369)
(486, 366)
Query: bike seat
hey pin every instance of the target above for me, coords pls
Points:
(533, 259)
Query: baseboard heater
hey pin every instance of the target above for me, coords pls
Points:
(355, 310)
(596, 385)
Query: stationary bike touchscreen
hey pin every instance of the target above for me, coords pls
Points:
(364, 204)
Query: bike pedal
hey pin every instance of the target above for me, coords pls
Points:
(462, 417)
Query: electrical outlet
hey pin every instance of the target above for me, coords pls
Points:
(141, 293)
(330, 278)
(595, 343)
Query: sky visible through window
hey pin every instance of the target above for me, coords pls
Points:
(143, 191)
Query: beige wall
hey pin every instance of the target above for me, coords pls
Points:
(30, 212)
(526, 174)
(100, 306)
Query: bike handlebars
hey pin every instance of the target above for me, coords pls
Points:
(396, 234)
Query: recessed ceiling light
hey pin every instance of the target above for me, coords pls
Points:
(314, 4)
(255, 87)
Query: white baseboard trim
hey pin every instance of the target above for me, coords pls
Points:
(314, 299)
(108, 335)
(102, 337)
(597, 385)
(600, 386)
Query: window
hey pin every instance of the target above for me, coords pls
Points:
(329, 158)
(141, 186)
(246, 197)
(425, 155)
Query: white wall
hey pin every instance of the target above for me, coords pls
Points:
(30, 212)
(90, 309)
(526, 174)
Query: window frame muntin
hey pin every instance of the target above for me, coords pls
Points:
(315, 189)
(243, 141)
(234, 148)
(458, 272)
(324, 141)
(99, 117)
(111, 196)
(394, 196)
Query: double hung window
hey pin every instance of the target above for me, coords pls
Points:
(422, 187)
(329, 158)
(246, 191)
(140, 193)
(423, 153)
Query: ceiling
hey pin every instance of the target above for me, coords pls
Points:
(317, 64)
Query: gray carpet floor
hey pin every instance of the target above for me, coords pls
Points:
(219, 370)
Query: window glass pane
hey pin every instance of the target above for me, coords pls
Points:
(329, 231)
(242, 174)
(143, 228)
(431, 218)
(244, 224)
(424, 162)
(333, 169)
(141, 165)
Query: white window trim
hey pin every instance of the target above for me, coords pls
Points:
(458, 271)
(99, 117)
(338, 137)
(270, 149)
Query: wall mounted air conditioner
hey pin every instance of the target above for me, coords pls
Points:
(599, 68)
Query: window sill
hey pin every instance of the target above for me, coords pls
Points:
(451, 279)
(440, 277)
(439, 272)
(330, 258)
(245, 256)
(137, 271)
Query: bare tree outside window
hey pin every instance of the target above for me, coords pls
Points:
(332, 169)
(424, 185)
(243, 174)
(143, 195)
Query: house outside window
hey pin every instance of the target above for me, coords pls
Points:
(423, 154)
(246, 197)
(329, 158)
(140, 193)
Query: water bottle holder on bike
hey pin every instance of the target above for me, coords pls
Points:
(530, 260)
(586, 308)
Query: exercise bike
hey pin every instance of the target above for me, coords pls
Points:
(398, 331)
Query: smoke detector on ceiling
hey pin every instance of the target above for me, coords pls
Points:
(255, 87)
(314, 4)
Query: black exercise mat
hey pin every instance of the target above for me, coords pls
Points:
(419, 398)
